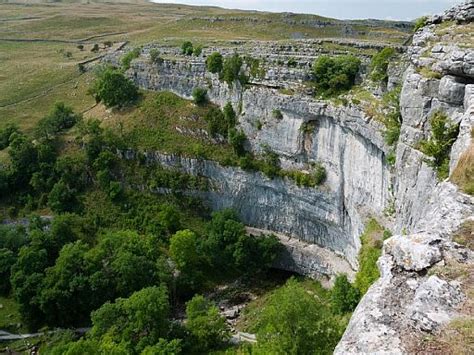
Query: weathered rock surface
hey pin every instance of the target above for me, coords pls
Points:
(360, 183)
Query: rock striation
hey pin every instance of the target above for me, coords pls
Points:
(436, 73)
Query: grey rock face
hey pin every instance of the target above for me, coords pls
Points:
(451, 90)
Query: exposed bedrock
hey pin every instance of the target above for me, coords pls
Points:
(347, 143)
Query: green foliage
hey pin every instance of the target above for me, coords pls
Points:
(187, 48)
(334, 75)
(314, 178)
(379, 64)
(292, 63)
(5, 135)
(420, 23)
(207, 327)
(393, 119)
(62, 198)
(271, 163)
(293, 321)
(214, 63)
(197, 51)
(438, 146)
(199, 96)
(113, 88)
(277, 114)
(255, 254)
(7, 259)
(344, 296)
(164, 347)
(135, 322)
(216, 122)
(231, 70)
(237, 140)
(369, 253)
(229, 115)
(126, 60)
(155, 56)
(256, 70)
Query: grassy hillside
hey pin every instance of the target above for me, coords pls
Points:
(39, 42)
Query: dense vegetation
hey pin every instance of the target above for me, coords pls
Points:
(438, 146)
(334, 75)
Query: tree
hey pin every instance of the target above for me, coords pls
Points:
(230, 115)
(5, 135)
(187, 48)
(231, 69)
(255, 254)
(216, 122)
(206, 325)
(164, 347)
(237, 140)
(183, 250)
(295, 322)
(62, 117)
(62, 198)
(140, 320)
(114, 89)
(7, 259)
(199, 96)
(333, 75)
(214, 63)
(170, 218)
(66, 297)
(344, 296)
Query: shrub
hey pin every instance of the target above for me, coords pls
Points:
(216, 122)
(438, 146)
(369, 253)
(237, 140)
(113, 88)
(334, 75)
(62, 117)
(197, 51)
(277, 114)
(5, 135)
(393, 119)
(420, 23)
(214, 63)
(271, 163)
(187, 48)
(199, 96)
(230, 115)
(155, 56)
(292, 63)
(128, 57)
(344, 296)
(379, 64)
(95, 48)
(231, 69)
(208, 328)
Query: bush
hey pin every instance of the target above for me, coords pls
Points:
(420, 23)
(208, 328)
(114, 89)
(216, 122)
(62, 117)
(197, 51)
(379, 64)
(271, 163)
(5, 135)
(155, 56)
(292, 63)
(214, 63)
(344, 296)
(237, 140)
(334, 75)
(277, 114)
(187, 48)
(199, 96)
(393, 119)
(126, 60)
(231, 70)
(230, 115)
(438, 146)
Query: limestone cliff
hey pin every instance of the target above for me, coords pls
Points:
(437, 73)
